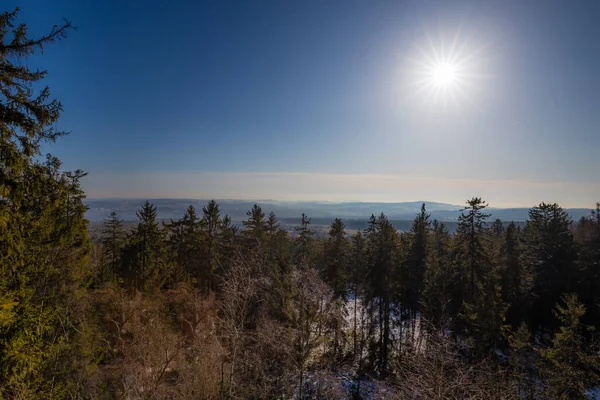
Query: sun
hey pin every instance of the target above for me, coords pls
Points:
(444, 74)
(446, 70)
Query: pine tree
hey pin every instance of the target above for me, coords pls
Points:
(304, 240)
(184, 246)
(144, 254)
(587, 238)
(382, 256)
(439, 276)
(113, 241)
(522, 360)
(471, 251)
(44, 244)
(570, 366)
(272, 231)
(497, 228)
(358, 274)
(228, 243)
(416, 261)
(255, 227)
(279, 260)
(549, 257)
(485, 316)
(211, 221)
(514, 281)
(335, 275)
(336, 260)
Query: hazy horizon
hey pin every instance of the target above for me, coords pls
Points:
(336, 188)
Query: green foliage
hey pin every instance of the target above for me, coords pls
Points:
(44, 243)
(416, 261)
(587, 239)
(113, 241)
(304, 240)
(382, 264)
(255, 227)
(570, 365)
(184, 236)
(523, 360)
(336, 259)
(277, 321)
(471, 253)
(486, 315)
(439, 276)
(212, 244)
(549, 257)
(514, 280)
(144, 256)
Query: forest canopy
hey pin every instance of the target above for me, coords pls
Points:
(198, 308)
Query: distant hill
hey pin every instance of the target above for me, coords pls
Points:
(236, 209)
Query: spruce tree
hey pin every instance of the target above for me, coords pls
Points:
(336, 260)
(304, 240)
(570, 365)
(587, 238)
(335, 275)
(44, 244)
(523, 360)
(212, 224)
(357, 276)
(416, 261)
(113, 241)
(549, 257)
(184, 246)
(470, 239)
(255, 227)
(514, 281)
(228, 243)
(497, 228)
(144, 255)
(439, 276)
(272, 226)
(382, 256)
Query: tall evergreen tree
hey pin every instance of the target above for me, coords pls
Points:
(382, 256)
(439, 276)
(255, 227)
(113, 241)
(515, 283)
(335, 275)
(272, 226)
(358, 276)
(304, 240)
(212, 224)
(497, 228)
(471, 251)
(336, 260)
(229, 242)
(184, 246)
(587, 238)
(570, 366)
(549, 257)
(416, 261)
(486, 314)
(144, 254)
(43, 232)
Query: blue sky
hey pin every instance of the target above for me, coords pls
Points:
(317, 100)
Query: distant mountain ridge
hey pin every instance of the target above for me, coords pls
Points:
(236, 209)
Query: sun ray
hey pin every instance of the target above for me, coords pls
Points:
(445, 70)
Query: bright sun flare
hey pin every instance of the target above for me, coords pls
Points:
(446, 70)
(443, 74)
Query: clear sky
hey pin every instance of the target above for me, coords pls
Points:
(328, 100)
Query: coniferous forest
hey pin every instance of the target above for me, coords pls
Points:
(196, 308)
